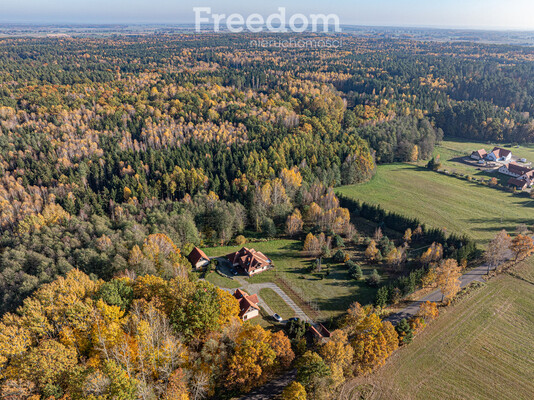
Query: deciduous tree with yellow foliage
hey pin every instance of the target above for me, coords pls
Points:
(448, 275)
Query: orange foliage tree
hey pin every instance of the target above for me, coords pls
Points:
(522, 246)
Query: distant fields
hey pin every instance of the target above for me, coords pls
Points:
(481, 348)
(443, 201)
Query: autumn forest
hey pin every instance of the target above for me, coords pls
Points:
(120, 154)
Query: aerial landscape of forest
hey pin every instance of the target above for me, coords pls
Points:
(191, 215)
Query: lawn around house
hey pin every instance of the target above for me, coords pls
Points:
(443, 201)
(276, 303)
(222, 281)
(332, 295)
(480, 348)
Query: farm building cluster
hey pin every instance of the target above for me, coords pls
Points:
(521, 177)
(497, 154)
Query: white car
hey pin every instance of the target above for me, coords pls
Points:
(277, 317)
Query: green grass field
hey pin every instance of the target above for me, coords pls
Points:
(333, 294)
(444, 201)
(480, 348)
(277, 304)
(221, 281)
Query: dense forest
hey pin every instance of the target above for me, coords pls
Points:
(118, 154)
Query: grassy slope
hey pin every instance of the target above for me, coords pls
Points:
(276, 303)
(480, 348)
(444, 202)
(333, 294)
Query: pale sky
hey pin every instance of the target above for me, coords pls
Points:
(477, 14)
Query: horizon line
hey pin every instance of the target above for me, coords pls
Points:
(178, 24)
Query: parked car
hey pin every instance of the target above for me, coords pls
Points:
(293, 319)
(277, 317)
(523, 160)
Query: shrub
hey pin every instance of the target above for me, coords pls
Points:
(268, 227)
(355, 271)
(382, 296)
(240, 240)
(339, 256)
(374, 279)
(405, 332)
(338, 241)
(210, 267)
(315, 265)
(379, 256)
(386, 245)
(294, 391)
(417, 324)
(116, 293)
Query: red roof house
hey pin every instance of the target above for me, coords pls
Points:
(249, 260)
(499, 154)
(248, 305)
(519, 184)
(198, 258)
(479, 154)
(514, 169)
(522, 177)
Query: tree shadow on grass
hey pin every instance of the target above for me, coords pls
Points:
(363, 295)
(294, 246)
(510, 224)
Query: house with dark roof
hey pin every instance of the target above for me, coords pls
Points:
(248, 305)
(198, 258)
(249, 261)
(479, 154)
(499, 154)
(519, 184)
(521, 177)
(514, 170)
